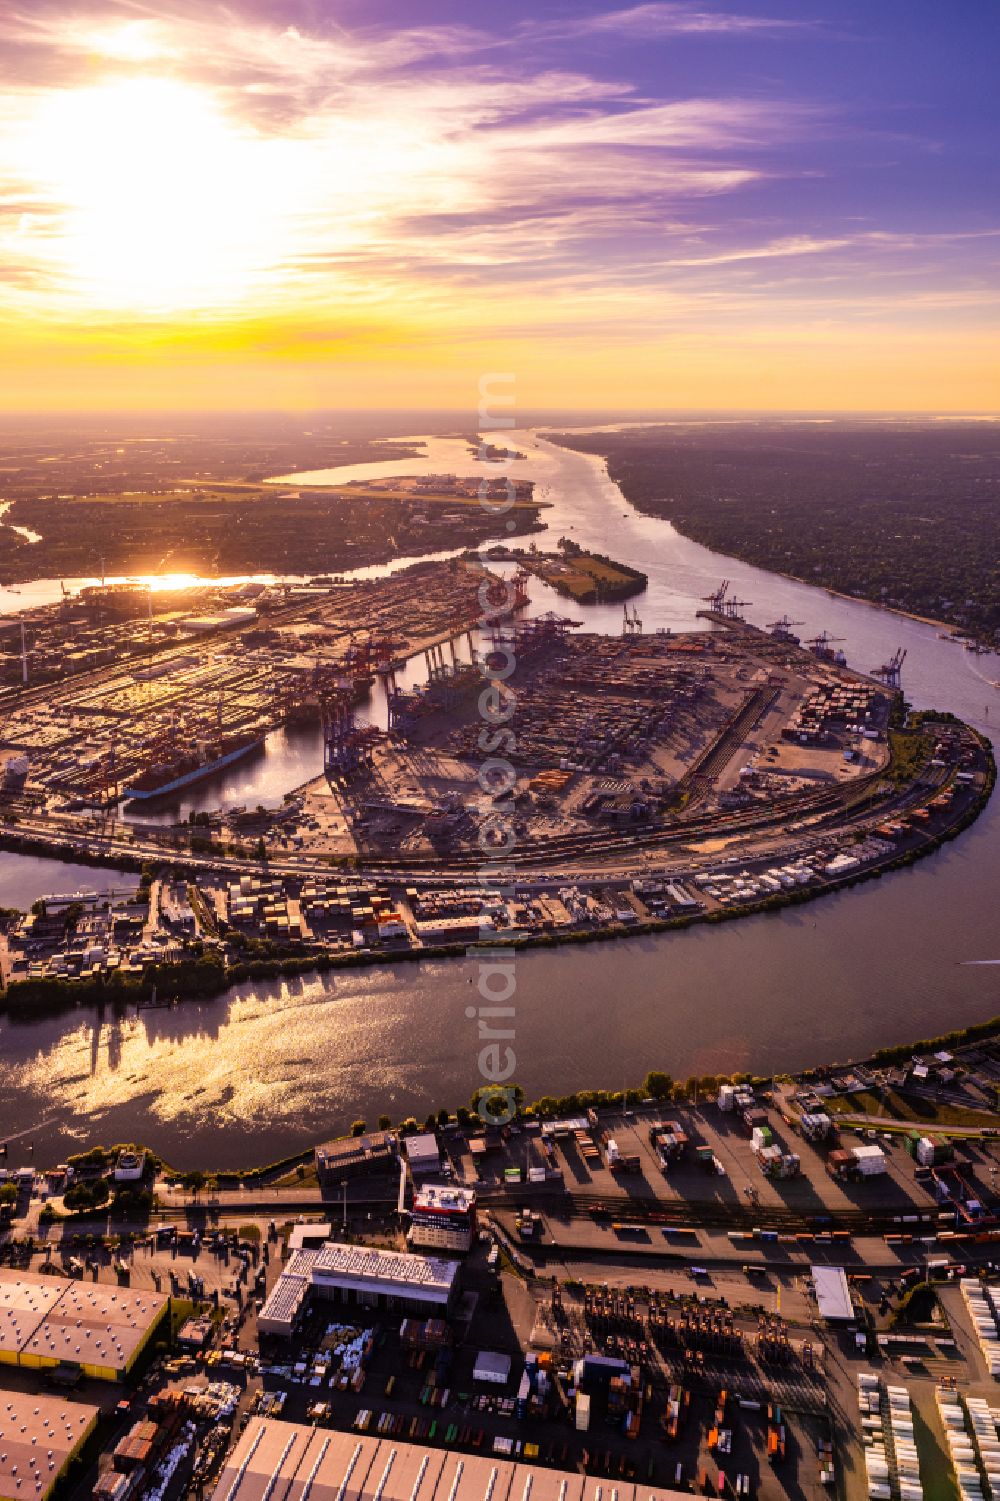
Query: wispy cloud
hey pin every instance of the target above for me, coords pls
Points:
(443, 176)
(659, 19)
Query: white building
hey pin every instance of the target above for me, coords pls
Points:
(364, 1275)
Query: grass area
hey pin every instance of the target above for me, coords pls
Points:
(908, 1111)
(181, 1309)
(910, 754)
(585, 577)
(304, 1176)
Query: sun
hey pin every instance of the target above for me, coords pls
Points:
(162, 201)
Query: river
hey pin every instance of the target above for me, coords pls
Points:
(267, 1069)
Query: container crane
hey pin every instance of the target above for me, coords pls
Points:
(783, 629)
(718, 599)
(631, 624)
(821, 645)
(891, 672)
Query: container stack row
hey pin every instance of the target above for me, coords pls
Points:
(960, 1446)
(873, 1436)
(904, 1460)
(983, 1304)
(984, 1434)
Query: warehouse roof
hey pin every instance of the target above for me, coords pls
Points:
(422, 1150)
(378, 1148)
(833, 1295)
(368, 1264)
(75, 1322)
(38, 1435)
(362, 1269)
(277, 1459)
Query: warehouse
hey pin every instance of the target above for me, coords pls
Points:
(833, 1294)
(39, 1437)
(282, 1459)
(362, 1275)
(101, 1331)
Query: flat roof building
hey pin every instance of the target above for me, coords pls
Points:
(39, 1436)
(493, 1366)
(443, 1217)
(280, 1460)
(47, 1321)
(353, 1156)
(422, 1153)
(364, 1275)
(833, 1294)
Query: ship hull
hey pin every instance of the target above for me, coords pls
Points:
(196, 774)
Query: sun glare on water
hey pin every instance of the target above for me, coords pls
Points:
(163, 202)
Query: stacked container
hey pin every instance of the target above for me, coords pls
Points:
(960, 1446)
(982, 1305)
(984, 1434)
(873, 1436)
(905, 1460)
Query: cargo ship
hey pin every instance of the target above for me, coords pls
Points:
(184, 769)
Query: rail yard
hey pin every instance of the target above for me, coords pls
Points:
(624, 780)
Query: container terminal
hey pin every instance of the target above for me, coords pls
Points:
(652, 777)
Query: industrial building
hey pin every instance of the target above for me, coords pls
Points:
(101, 1331)
(354, 1156)
(388, 1280)
(423, 1153)
(443, 1217)
(39, 1437)
(833, 1294)
(277, 1460)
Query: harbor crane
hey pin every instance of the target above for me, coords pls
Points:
(783, 629)
(718, 599)
(631, 624)
(891, 672)
(821, 646)
(348, 744)
(732, 608)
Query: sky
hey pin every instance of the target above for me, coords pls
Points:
(303, 204)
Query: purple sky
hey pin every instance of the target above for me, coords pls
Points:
(689, 198)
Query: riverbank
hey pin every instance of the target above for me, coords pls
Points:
(866, 513)
(657, 1085)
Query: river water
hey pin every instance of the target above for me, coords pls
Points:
(267, 1069)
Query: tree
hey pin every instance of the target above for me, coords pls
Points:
(384, 1122)
(658, 1084)
(442, 1116)
(358, 1128)
(194, 1181)
(8, 1196)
